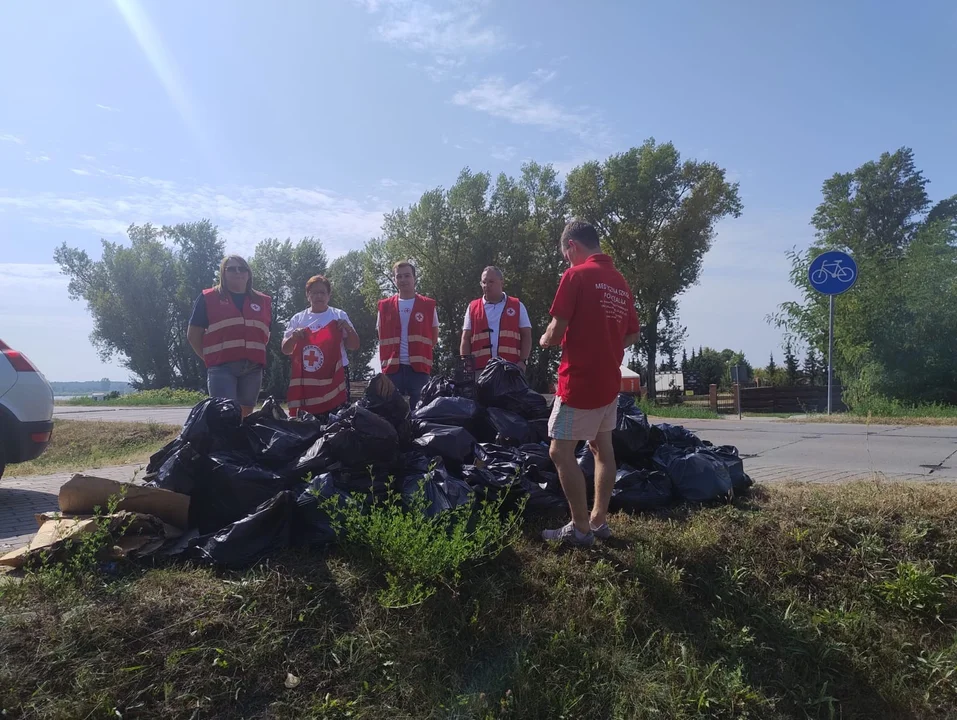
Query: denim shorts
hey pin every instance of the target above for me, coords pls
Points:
(239, 380)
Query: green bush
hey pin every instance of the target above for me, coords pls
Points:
(416, 552)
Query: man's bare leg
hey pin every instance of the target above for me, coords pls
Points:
(562, 453)
(605, 470)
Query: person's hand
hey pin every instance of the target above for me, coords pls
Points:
(301, 333)
(543, 341)
(344, 326)
(522, 365)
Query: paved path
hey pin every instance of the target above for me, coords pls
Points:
(21, 499)
(165, 415)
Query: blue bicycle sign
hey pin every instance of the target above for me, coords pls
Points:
(832, 273)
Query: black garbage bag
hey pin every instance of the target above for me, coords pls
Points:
(267, 528)
(229, 489)
(454, 411)
(490, 454)
(437, 386)
(498, 379)
(631, 437)
(423, 427)
(181, 470)
(508, 428)
(359, 438)
(453, 444)
(674, 435)
(313, 526)
(271, 408)
(586, 461)
(529, 404)
(162, 455)
(384, 400)
(728, 454)
(442, 491)
(543, 497)
(637, 490)
(539, 430)
(373, 482)
(278, 442)
(214, 424)
(536, 454)
(697, 475)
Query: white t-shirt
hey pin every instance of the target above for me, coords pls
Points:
(405, 312)
(493, 313)
(314, 321)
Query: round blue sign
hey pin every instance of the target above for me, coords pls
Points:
(832, 273)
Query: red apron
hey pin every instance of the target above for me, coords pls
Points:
(318, 380)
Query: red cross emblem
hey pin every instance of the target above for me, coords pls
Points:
(312, 358)
(510, 312)
(419, 317)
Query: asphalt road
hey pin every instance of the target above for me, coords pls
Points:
(811, 451)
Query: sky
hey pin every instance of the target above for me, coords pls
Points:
(314, 117)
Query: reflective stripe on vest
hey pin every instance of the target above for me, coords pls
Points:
(314, 372)
(234, 334)
(509, 338)
(419, 334)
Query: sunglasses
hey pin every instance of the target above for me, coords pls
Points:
(236, 269)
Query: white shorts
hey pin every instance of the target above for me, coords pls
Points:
(568, 423)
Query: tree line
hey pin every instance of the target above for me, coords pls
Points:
(896, 330)
(655, 211)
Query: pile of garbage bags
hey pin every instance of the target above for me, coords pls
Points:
(256, 484)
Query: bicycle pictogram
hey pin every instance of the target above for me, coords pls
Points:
(832, 270)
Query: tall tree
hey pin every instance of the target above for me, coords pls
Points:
(894, 330)
(346, 275)
(656, 215)
(140, 296)
(684, 360)
(792, 371)
(772, 370)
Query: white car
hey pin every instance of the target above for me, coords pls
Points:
(26, 408)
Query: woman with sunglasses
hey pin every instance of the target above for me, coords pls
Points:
(229, 329)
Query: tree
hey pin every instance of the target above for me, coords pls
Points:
(105, 384)
(895, 330)
(138, 298)
(710, 366)
(771, 370)
(656, 216)
(811, 368)
(684, 360)
(280, 270)
(346, 275)
(792, 370)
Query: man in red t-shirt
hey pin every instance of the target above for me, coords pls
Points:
(594, 320)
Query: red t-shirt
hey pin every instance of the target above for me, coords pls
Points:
(599, 307)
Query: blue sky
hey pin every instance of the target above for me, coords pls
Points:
(313, 117)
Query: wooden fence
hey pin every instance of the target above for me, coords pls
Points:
(794, 399)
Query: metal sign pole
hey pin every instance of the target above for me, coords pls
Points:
(830, 352)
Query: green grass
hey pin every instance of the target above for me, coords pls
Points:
(677, 411)
(803, 601)
(163, 396)
(79, 445)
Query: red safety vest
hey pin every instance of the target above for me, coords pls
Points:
(234, 335)
(420, 334)
(509, 337)
(318, 380)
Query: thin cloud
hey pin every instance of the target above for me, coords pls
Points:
(504, 153)
(449, 33)
(244, 214)
(108, 108)
(524, 104)
(388, 182)
(12, 139)
(88, 158)
(77, 171)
